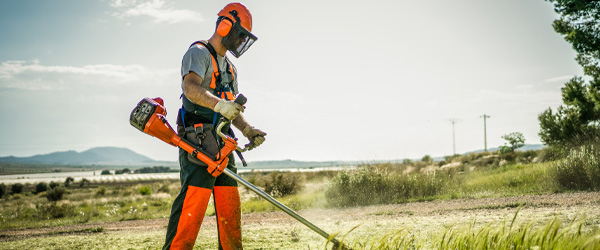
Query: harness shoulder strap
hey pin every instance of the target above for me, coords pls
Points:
(216, 69)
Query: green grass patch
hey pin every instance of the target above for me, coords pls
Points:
(510, 233)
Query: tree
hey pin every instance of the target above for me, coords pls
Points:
(83, 182)
(68, 181)
(17, 188)
(515, 139)
(55, 194)
(41, 187)
(3, 190)
(427, 159)
(123, 171)
(578, 119)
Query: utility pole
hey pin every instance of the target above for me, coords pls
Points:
(453, 121)
(484, 131)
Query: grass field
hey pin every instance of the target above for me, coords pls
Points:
(470, 205)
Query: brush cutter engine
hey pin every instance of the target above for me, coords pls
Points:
(144, 110)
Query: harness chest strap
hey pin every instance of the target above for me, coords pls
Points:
(216, 71)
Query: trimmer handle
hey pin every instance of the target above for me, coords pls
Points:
(241, 99)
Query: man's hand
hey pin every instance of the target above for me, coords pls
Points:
(228, 109)
(256, 136)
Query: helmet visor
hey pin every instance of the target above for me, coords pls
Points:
(238, 40)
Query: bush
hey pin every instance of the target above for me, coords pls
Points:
(53, 211)
(280, 184)
(164, 187)
(374, 185)
(105, 172)
(527, 156)
(551, 154)
(83, 182)
(101, 191)
(55, 194)
(123, 171)
(145, 190)
(509, 156)
(54, 184)
(427, 159)
(16, 188)
(2, 190)
(41, 187)
(580, 170)
(68, 181)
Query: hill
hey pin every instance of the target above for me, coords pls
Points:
(94, 156)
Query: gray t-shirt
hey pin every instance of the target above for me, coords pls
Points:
(198, 60)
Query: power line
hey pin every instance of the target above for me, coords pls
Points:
(484, 130)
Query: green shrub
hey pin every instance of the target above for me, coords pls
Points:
(145, 190)
(101, 191)
(508, 156)
(374, 185)
(55, 194)
(53, 211)
(280, 184)
(2, 190)
(427, 159)
(54, 184)
(526, 156)
(551, 154)
(123, 171)
(83, 182)
(164, 187)
(580, 170)
(16, 188)
(41, 187)
(105, 172)
(68, 181)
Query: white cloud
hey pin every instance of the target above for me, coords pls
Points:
(35, 76)
(559, 79)
(121, 3)
(158, 10)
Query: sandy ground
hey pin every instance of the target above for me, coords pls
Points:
(417, 216)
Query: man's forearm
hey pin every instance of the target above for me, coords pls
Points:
(240, 122)
(196, 93)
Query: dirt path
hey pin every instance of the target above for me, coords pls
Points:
(437, 211)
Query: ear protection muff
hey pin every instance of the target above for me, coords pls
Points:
(224, 27)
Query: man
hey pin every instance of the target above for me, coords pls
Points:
(209, 84)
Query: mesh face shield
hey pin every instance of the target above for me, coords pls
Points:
(238, 40)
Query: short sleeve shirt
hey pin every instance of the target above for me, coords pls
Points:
(198, 60)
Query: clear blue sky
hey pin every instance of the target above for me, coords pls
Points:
(327, 80)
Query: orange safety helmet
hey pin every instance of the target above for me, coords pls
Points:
(242, 12)
(235, 27)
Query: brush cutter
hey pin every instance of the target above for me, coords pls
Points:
(149, 117)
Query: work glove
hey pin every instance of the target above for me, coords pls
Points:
(228, 109)
(254, 135)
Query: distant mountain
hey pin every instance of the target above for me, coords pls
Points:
(94, 156)
(526, 147)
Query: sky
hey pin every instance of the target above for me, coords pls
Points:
(327, 80)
